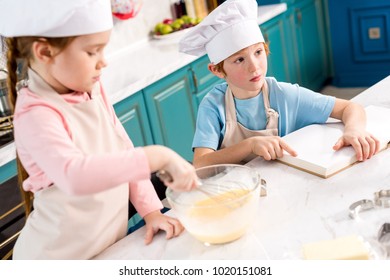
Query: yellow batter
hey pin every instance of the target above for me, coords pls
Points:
(220, 239)
(217, 207)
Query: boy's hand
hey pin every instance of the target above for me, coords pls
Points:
(364, 144)
(271, 147)
(155, 221)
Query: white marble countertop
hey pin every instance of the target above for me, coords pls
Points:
(144, 63)
(299, 208)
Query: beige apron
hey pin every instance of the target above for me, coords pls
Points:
(236, 132)
(64, 226)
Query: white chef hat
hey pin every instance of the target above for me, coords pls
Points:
(229, 28)
(53, 18)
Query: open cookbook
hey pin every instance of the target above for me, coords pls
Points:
(314, 144)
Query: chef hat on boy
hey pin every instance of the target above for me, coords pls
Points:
(53, 18)
(229, 28)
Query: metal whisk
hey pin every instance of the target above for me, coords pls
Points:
(221, 194)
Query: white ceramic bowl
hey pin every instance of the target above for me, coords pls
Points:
(225, 212)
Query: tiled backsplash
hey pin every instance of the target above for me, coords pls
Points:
(131, 31)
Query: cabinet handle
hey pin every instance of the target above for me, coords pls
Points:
(195, 80)
(299, 15)
(266, 38)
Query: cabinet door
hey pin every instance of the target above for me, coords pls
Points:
(203, 80)
(274, 35)
(307, 26)
(133, 116)
(7, 171)
(360, 32)
(169, 103)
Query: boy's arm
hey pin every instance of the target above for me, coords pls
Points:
(233, 154)
(355, 134)
(268, 147)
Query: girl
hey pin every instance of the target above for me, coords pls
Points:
(246, 116)
(75, 155)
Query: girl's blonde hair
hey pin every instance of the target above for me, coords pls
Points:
(219, 66)
(20, 54)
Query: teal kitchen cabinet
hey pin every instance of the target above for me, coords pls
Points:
(133, 116)
(360, 33)
(299, 43)
(171, 111)
(308, 36)
(7, 171)
(274, 33)
(203, 80)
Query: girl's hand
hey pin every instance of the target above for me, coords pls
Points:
(182, 173)
(270, 147)
(183, 176)
(364, 144)
(155, 221)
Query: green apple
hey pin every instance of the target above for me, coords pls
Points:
(179, 21)
(166, 29)
(157, 27)
(176, 25)
(186, 18)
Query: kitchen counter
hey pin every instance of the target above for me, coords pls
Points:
(299, 208)
(134, 68)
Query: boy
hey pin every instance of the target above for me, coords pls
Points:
(246, 116)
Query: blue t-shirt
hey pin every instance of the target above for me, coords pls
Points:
(297, 107)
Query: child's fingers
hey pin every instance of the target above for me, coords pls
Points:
(272, 152)
(287, 148)
(339, 144)
(177, 227)
(374, 144)
(365, 148)
(357, 146)
(168, 228)
(172, 227)
(181, 185)
(279, 151)
(148, 235)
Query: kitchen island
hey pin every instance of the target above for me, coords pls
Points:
(300, 208)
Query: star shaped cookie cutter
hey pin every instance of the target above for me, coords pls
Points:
(382, 198)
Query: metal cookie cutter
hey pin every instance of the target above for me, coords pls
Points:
(384, 233)
(263, 189)
(384, 236)
(382, 198)
(359, 206)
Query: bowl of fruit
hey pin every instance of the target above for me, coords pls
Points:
(174, 28)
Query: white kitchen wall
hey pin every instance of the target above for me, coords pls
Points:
(137, 29)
